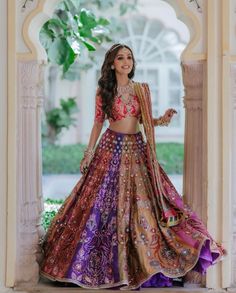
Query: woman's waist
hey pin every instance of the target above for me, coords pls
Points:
(122, 132)
(117, 115)
(127, 125)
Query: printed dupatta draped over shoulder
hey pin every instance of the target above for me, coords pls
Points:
(171, 208)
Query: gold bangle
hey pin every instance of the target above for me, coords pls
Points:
(162, 121)
(89, 152)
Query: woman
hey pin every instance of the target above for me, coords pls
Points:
(124, 224)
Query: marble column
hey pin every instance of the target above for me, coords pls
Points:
(194, 186)
(3, 144)
(194, 183)
(233, 191)
(29, 197)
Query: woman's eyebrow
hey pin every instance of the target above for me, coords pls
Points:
(123, 55)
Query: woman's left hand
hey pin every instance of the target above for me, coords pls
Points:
(169, 114)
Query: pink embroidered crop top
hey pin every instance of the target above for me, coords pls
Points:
(120, 110)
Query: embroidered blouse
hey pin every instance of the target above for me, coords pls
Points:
(120, 110)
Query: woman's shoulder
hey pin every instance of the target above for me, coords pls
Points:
(142, 83)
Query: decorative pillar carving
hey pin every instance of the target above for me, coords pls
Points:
(194, 167)
(30, 203)
(233, 193)
(194, 183)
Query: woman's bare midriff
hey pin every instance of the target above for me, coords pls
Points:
(128, 125)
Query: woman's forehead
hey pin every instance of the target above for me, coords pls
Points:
(124, 51)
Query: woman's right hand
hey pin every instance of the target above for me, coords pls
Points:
(85, 164)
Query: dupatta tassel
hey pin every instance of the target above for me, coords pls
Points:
(171, 218)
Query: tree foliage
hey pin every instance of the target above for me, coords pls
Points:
(74, 27)
(60, 118)
(71, 28)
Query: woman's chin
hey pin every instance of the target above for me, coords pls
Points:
(124, 71)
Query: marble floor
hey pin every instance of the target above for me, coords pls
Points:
(45, 286)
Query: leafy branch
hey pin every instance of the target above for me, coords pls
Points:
(70, 29)
(60, 118)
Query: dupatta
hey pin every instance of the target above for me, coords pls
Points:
(171, 210)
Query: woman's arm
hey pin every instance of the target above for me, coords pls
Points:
(165, 119)
(89, 151)
(95, 132)
(159, 121)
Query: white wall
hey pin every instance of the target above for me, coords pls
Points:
(3, 137)
(21, 15)
(201, 15)
(162, 11)
(233, 26)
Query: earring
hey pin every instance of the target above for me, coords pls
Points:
(112, 67)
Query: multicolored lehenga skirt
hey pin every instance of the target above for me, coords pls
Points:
(108, 232)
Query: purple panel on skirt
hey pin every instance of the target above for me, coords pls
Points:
(96, 259)
(158, 280)
(206, 258)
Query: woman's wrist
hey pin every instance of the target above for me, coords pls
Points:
(89, 152)
(161, 121)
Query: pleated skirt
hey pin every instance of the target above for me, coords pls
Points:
(108, 232)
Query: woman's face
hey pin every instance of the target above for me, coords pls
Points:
(123, 61)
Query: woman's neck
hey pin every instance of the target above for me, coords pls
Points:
(122, 80)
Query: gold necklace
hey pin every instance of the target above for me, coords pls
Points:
(125, 89)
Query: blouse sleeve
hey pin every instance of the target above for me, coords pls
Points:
(99, 114)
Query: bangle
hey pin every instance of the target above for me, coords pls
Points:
(89, 152)
(161, 121)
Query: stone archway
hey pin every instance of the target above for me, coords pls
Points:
(26, 191)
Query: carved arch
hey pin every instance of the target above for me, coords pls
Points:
(27, 108)
(184, 14)
(45, 8)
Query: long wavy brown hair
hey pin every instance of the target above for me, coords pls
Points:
(107, 82)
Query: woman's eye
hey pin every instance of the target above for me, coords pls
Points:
(120, 58)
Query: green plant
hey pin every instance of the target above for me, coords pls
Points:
(74, 28)
(51, 201)
(62, 159)
(59, 118)
(171, 157)
(47, 218)
(51, 207)
(70, 28)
